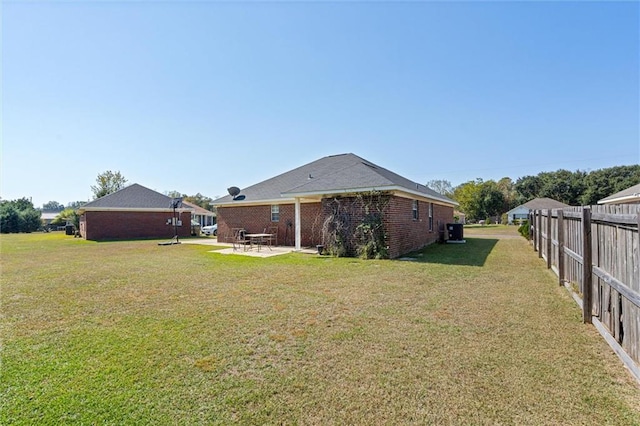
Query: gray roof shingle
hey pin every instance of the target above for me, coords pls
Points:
(544, 203)
(134, 196)
(629, 195)
(331, 175)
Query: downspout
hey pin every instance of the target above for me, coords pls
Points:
(297, 222)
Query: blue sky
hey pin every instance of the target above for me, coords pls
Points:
(198, 96)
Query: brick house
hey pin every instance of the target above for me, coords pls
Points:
(301, 203)
(133, 212)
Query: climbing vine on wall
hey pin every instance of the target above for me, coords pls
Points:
(337, 228)
(371, 241)
(354, 226)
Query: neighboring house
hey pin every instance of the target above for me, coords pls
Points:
(461, 217)
(200, 215)
(522, 211)
(48, 216)
(133, 212)
(300, 201)
(627, 196)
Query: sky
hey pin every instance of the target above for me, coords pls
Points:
(198, 96)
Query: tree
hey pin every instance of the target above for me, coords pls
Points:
(491, 199)
(467, 195)
(22, 203)
(527, 188)
(9, 218)
(198, 199)
(604, 182)
(107, 183)
(441, 186)
(67, 215)
(563, 186)
(53, 206)
(479, 199)
(19, 216)
(507, 187)
(30, 220)
(76, 204)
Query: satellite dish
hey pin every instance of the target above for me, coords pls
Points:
(238, 198)
(233, 191)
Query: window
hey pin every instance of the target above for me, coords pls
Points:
(275, 213)
(415, 209)
(430, 217)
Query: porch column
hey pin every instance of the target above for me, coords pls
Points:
(297, 221)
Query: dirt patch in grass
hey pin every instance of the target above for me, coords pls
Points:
(133, 332)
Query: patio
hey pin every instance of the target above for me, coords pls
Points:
(265, 251)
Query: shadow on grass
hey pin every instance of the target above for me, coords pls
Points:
(472, 253)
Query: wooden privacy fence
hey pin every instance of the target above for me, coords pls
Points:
(595, 251)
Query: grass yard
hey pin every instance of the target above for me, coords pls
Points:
(136, 333)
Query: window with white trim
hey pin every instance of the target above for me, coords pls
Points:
(275, 213)
(414, 209)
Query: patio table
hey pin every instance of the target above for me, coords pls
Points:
(257, 239)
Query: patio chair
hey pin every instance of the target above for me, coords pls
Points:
(240, 239)
(272, 239)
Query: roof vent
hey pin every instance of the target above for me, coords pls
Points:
(310, 177)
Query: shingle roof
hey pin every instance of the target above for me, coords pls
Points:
(197, 209)
(629, 195)
(332, 175)
(131, 197)
(544, 203)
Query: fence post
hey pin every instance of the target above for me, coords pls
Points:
(638, 259)
(530, 219)
(587, 277)
(539, 231)
(560, 247)
(549, 245)
(532, 228)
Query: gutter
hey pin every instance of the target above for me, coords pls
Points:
(620, 200)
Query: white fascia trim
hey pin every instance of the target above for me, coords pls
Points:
(621, 200)
(130, 209)
(397, 190)
(263, 202)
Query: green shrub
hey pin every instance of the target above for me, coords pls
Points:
(524, 229)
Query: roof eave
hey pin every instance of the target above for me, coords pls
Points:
(391, 188)
(619, 200)
(253, 202)
(131, 209)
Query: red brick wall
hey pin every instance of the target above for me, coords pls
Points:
(126, 225)
(256, 218)
(350, 212)
(406, 234)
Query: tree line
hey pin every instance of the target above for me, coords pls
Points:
(480, 199)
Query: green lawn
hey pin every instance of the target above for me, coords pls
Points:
(136, 333)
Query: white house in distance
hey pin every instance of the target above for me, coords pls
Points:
(626, 196)
(522, 211)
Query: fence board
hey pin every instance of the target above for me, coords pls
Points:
(595, 252)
